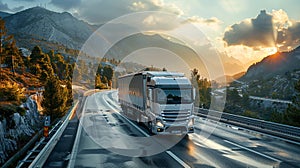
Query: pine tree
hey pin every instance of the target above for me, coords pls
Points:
(40, 62)
(55, 98)
(4, 40)
(204, 88)
(292, 114)
(14, 57)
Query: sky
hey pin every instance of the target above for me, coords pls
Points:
(247, 30)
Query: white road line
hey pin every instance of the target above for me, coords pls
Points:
(77, 138)
(171, 154)
(253, 151)
(178, 159)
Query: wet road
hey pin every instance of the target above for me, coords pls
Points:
(105, 139)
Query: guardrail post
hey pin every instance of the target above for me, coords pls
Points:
(46, 126)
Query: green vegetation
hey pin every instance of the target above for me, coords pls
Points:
(104, 76)
(55, 98)
(20, 76)
(10, 92)
(203, 97)
(241, 104)
(292, 114)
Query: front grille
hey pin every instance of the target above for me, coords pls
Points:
(171, 116)
(176, 129)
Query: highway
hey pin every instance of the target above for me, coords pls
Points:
(271, 100)
(102, 142)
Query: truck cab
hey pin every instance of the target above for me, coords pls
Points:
(164, 101)
(170, 102)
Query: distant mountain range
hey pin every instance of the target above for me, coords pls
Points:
(273, 65)
(57, 31)
(41, 25)
(4, 14)
(275, 76)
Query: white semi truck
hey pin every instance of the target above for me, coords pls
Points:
(163, 101)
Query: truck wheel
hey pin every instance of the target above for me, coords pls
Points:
(150, 127)
(125, 111)
(138, 119)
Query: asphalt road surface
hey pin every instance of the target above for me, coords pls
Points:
(107, 139)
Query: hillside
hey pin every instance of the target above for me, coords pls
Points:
(41, 25)
(25, 79)
(273, 65)
(4, 14)
(62, 31)
(275, 76)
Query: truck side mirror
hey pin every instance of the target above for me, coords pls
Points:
(150, 94)
(148, 79)
(194, 94)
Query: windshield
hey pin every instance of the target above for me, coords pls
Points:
(173, 96)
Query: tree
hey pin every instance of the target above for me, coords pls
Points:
(55, 98)
(4, 40)
(69, 92)
(292, 114)
(40, 62)
(204, 89)
(108, 73)
(233, 96)
(9, 91)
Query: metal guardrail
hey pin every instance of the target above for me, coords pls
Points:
(285, 132)
(279, 130)
(37, 148)
(39, 154)
(41, 158)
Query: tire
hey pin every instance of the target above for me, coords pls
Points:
(138, 119)
(150, 127)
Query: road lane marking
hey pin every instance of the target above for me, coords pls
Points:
(253, 151)
(171, 154)
(177, 159)
(77, 138)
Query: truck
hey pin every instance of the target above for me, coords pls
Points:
(163, 101)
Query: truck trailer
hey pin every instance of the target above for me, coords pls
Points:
(163, 101)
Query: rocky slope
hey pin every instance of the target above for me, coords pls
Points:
(41, 24)
(273, 65)
(275, 76)
(17, 127)
(58, 31)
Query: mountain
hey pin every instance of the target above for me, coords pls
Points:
(4, 14)
(229, 78)
(155, 56)
(231, 65)
(135, 43)
(39, 25)
(275, 76)
(58, 31)
(276, 64)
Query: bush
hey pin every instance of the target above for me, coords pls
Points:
(9, 92)
(7, 110)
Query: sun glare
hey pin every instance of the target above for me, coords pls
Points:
(271, 50)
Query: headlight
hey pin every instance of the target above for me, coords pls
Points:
(159, 123)
(191, 122)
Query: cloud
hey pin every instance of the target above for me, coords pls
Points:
(161, 22)
(267, 30)
(4, 7)
(25, 0)
(252, 32)
(209, 21)
(19, 8)
(65, 4)
(289, 38)
(97, 11)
